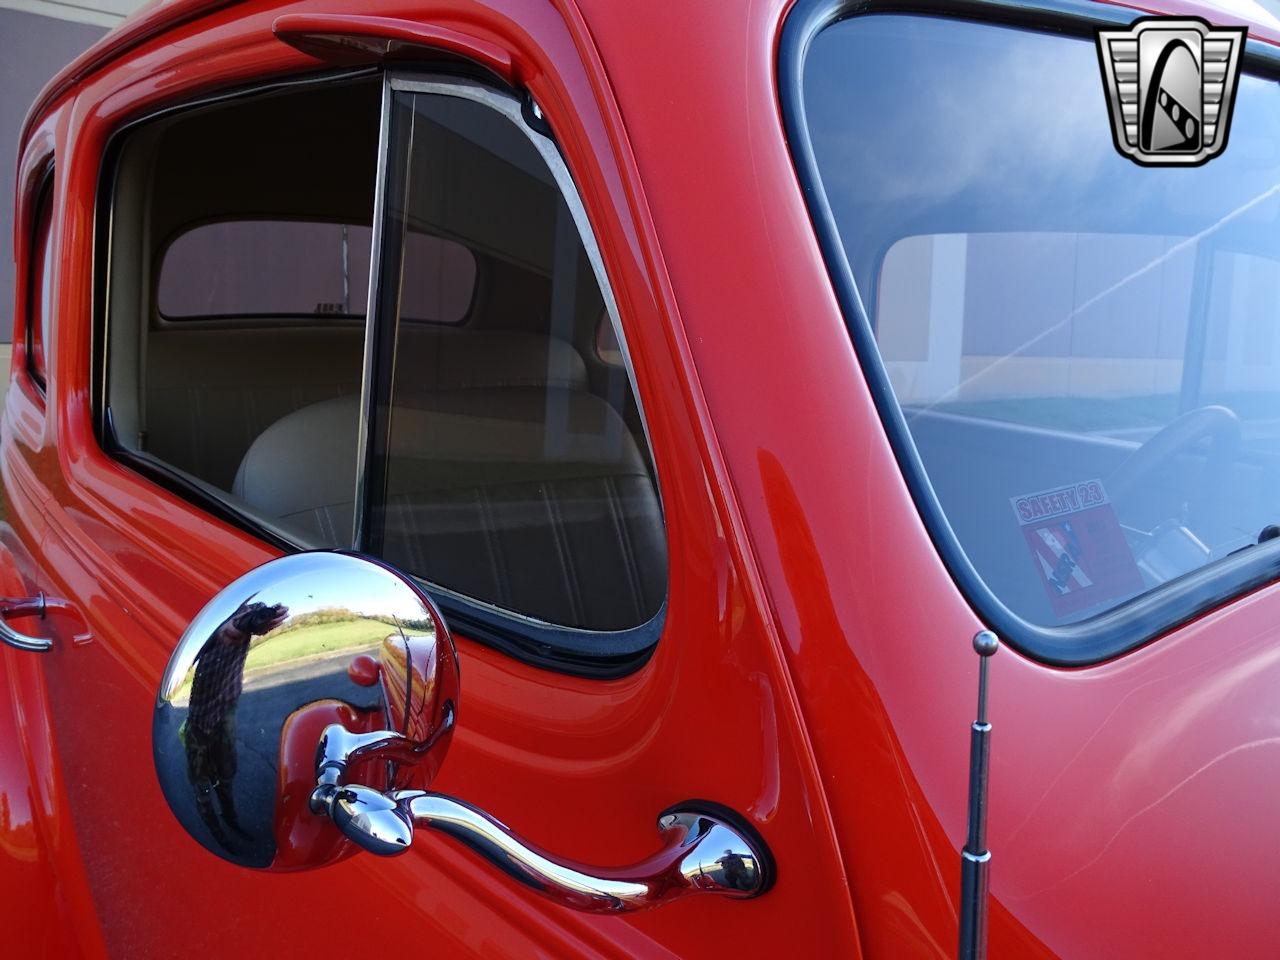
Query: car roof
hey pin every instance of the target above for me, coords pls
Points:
(154, 18)
(148, 21)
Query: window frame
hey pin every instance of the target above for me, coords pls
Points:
(42, 196)
(1135, 622)
(585, 653)
(202, 495)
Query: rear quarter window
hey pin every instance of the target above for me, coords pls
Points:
(301, 268)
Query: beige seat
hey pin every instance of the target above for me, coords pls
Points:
(532, 497)
(212, 391)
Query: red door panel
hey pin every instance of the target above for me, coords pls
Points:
(580, 767)
(44, 899)
(1129, 801)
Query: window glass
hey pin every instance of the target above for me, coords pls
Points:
(608, 346)
(260, 194)
(297, 268)
(506, 462)
(40, 293)
(1086, 352)
(514, 470)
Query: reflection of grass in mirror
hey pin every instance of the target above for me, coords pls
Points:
(312, 637)
(340, 615)
(317, 638)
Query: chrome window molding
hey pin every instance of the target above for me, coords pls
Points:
(1147, 616)
(590, 653)
(364, 450)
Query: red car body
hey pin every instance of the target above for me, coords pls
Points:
(815, 671)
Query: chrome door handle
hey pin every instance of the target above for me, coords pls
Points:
(25, 607)
(704, 850)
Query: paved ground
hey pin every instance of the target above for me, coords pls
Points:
(269, 697)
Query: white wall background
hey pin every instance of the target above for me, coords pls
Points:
(37, 38)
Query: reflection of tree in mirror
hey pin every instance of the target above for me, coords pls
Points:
(319, 640)
(419, 625)
(316, 634)
(209, 732)
(343, 615)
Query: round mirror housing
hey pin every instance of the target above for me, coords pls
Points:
(279, 657)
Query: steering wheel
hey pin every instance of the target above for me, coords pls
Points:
(1205, 500)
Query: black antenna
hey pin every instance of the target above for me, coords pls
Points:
(975, 859)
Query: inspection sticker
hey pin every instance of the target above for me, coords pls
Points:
(1077, 545)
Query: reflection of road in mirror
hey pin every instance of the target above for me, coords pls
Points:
(219, 732)
(209, 732)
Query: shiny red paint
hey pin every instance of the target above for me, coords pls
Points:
(578, 766)
(344, 38)
(302, 840)
(1118, 790)
(47, 907)
(815, 671)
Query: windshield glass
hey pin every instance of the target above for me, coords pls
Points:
(1086, 352)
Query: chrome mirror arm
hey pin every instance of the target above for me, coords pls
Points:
(705, 850)
(339, 747)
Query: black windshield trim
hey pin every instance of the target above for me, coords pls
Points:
(1131, 624)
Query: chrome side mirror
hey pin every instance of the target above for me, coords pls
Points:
(299, 645)
(306, 711)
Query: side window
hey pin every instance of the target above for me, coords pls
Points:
(481, 439)
(507, 472)
(40, 289)
(239, 265)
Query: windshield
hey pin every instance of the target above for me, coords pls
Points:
(1085, 352)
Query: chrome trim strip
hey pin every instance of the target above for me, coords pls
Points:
(367, 396)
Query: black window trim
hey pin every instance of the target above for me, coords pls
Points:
(583, 652)
(42, 195)
(592, 654)
(1136, 622)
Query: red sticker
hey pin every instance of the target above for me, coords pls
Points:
(1077, 546)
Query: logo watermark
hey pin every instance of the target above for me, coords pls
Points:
(1171, 84)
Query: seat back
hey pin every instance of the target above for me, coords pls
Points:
(211, 391)
(532, 497)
